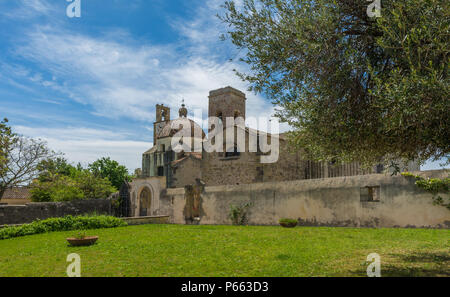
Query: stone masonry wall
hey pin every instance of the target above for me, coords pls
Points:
(186, 173)
(10, 215)
(321, 202)
(227, 102)
(247, 168)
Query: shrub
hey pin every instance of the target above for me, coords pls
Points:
(288, 223)
(68, 223)
(239, 214)
(81, 185)
(435, 186)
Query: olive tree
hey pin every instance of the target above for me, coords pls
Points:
(353, 87)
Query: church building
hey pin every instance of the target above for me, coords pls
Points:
(164, 167)
(229, 167)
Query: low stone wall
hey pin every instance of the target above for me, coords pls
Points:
(14, 201)
(339, 201)
(21, 214)
(147, 220)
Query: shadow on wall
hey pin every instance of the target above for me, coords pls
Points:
(193, 210)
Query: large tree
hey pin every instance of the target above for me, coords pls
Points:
(80, 184)
(352, 87)
(112, 170)
(56, 166)
(58, 180)
(19, 158)
(6, 139)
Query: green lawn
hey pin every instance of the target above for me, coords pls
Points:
(171, 250)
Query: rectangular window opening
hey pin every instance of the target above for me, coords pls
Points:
(160, 171)
(370, 194)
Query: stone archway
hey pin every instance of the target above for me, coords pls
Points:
(145, 200)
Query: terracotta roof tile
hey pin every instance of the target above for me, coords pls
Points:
(197, 156)
(17, 193)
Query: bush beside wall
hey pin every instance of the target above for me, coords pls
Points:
(68, 223)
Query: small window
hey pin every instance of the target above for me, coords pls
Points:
(370, 194)
(163, 148)
(380, 168)
(234, 153)
(161, 171)
(220, 116)
(258, 145)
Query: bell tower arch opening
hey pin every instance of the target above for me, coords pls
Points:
(162, 118)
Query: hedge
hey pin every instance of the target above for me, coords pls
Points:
(68, 223)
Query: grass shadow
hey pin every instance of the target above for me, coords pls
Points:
(420, 264)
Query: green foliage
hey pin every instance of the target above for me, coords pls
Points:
(288, 222)
(80, 235)
(408, 174)
(435, 186)
(351, 86)
(110, 169)
(94, 187)
(254, 251)
(19, 158)
(7, 138)
(68, 223)
(82, 185)
(59, 166)
(60, 181)
(239, 214)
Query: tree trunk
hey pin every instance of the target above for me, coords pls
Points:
(2, 191)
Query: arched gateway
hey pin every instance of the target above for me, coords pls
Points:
(145, 200)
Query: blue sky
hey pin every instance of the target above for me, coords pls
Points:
(89, 85)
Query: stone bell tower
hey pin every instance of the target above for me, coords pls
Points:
(162, 118)
(226, 102)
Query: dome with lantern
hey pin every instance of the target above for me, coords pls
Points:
(174, 126)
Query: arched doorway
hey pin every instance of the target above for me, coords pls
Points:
(145, 199)
(124, 209)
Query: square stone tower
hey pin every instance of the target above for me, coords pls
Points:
(226, 102)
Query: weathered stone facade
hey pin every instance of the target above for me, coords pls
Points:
(198, 188)
(220, 168)
(343, 201)
(226, 103)
(186, 171)
(145, 194)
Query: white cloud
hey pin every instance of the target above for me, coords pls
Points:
(29, 8)
(120, 79)
(37, 5)
(124, 78)
(86, 145)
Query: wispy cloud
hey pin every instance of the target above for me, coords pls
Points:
(120, 77)
(24, 9)
(126, 79)
(86, 145)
